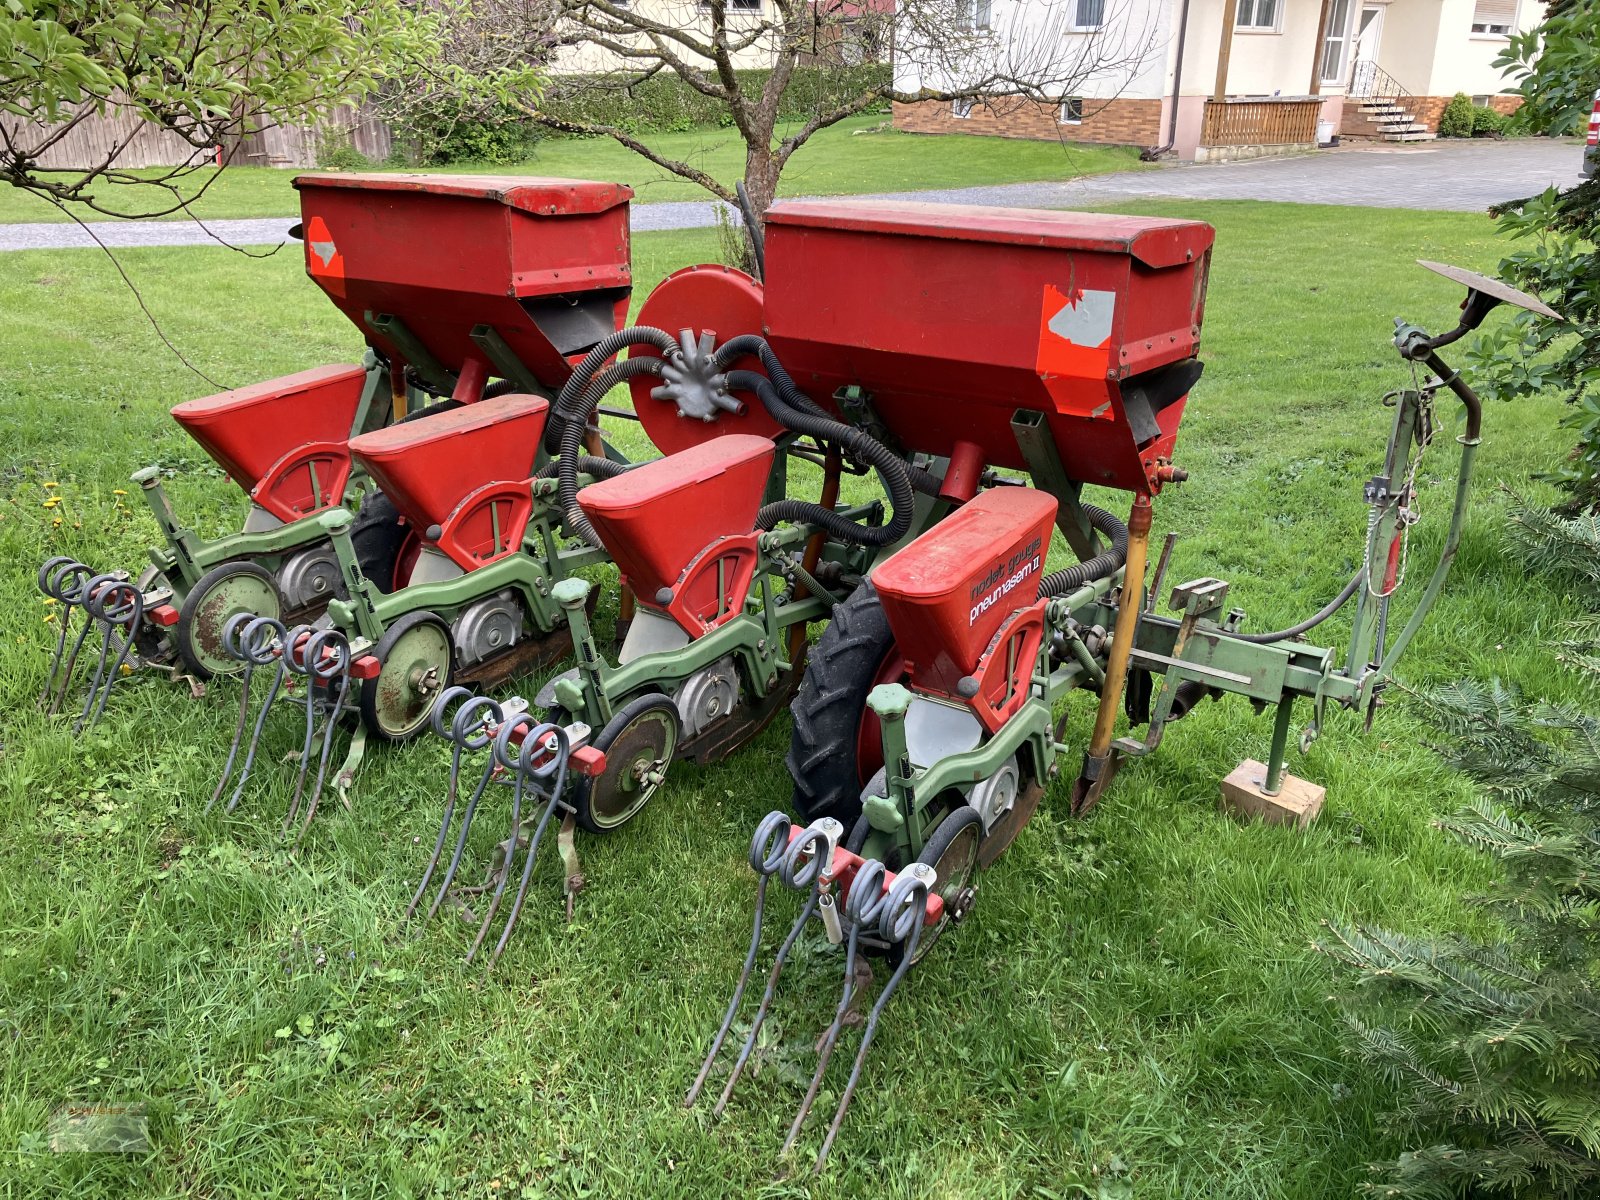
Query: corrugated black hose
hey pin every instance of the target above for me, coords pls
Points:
(1070, 579)
(891, 468)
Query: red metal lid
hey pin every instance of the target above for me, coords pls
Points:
(446, 426)
(529, 193)
(1153, 241)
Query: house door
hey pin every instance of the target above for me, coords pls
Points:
(1364, 48)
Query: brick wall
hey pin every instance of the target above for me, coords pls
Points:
(1113, 122)
(1426, 110)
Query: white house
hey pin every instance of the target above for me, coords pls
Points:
(1231, 78)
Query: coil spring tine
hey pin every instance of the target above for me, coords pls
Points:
(766, 852)
(231, 630)
(461, 837)
(98, 620)
(458, 734)
(297, 658)
(127, 617)
(53, 582)
(68, 584)
(902, 920)
(559, 770)
(523, 770)
(260, 642)
(863, 905)
(338, 667)
(800, 868)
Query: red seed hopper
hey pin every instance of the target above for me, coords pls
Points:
(465, 276)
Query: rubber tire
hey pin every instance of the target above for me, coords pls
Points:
(188, 611)
(951, 827)
(829, 707)
(378, 538)
(368, 697)
(620, 720)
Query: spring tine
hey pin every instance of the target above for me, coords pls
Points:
(60, 579)
(336, 666)
(297, 657)
(67, 584)
(829, 1041)
(461, 837)
(518, 766)
(125, 615)
(98, 621)
(458, 745)
(558, 769)
(262, 642)
(901, 921)
(863, 906)
(230, 646)
(800, 868)
(766, 853)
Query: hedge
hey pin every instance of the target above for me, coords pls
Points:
(665, 104)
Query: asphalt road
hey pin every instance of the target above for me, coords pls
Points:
(1464, 176)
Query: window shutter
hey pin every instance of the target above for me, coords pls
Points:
(1495, 12)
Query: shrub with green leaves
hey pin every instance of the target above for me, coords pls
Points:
(1494, 1048)
(1557, 65)
(1486, 122)
(1456, 120)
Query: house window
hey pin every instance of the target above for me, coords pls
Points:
(1071, 110)
(1088, 14)
(732, 5)
(1257, 14)
(961, 109)
(1494, 18)
(1336, 41)
(974, 14)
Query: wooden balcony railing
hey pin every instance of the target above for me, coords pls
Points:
(1274, 122)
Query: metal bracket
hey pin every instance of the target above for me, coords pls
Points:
(1050, 475)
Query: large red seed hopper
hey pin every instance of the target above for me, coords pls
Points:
(951, 318)
(465, 276)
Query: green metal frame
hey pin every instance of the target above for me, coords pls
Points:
(1197, 646)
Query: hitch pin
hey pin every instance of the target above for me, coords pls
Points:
(828, 910)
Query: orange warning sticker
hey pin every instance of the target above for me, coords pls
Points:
(1075, 350)
(323, 261)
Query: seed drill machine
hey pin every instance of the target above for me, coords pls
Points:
(982, 366)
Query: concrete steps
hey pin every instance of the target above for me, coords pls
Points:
(1394, 123)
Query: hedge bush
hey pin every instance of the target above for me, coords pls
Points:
(1486, 122)
(665, 104)
(1457, 119)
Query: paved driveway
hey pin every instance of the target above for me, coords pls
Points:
(1455, 176)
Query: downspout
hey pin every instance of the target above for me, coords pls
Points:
(1152, 153)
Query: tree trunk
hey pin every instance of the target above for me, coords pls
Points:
(760, 178)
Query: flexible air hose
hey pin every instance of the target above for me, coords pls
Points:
(1311, 622)
(750, 343)
(599, 468)
(1070, 579)
(891, 468)
(575, 417)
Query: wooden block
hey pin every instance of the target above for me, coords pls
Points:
(1297, 803)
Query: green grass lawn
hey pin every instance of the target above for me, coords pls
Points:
(858, 155)
(1132, 1009)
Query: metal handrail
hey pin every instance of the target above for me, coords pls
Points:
(1369, 81)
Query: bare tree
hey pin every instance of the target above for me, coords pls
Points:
(976, 52)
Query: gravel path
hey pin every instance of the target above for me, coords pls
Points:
(1449, 176)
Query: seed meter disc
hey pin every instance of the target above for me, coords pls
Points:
(639, 742)
(416, 661)
(222, 592)
(699, 298)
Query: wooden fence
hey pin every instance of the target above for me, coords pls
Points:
(1271, 122)
(94, 137)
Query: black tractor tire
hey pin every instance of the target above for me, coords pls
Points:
(378, 537)
(828, 710)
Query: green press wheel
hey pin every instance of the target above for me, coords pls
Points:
(416, 660)
(639, 742)
(952, 852)
(224, 591)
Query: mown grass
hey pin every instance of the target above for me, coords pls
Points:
(858, 155)
(1133, 1008)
